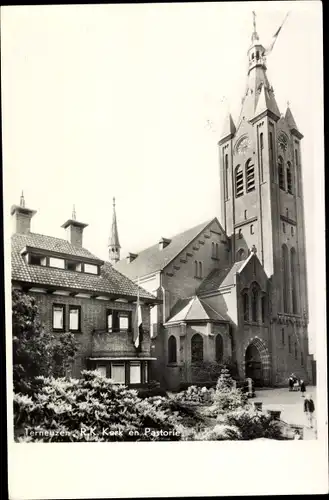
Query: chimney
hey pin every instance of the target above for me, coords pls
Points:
(131, 257)
(163, 243)
(74, 230)
(21, 217)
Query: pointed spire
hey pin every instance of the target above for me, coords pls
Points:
(114, 245)
(266, 103)
(22, 201)
(228, 129)
(74, 215)
(291, 123)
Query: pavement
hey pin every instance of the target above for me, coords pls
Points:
(291, 405)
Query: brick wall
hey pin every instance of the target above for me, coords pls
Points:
(93, 317)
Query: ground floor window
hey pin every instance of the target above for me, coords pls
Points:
(118, 373)
(135, 373)
(101, 370)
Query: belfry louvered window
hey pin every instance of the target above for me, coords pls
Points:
(238, 181)
(250, 176)
(289, 177)
(281, 174)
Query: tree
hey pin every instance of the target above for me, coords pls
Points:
(35, 351)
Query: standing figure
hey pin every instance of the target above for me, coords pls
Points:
(309, 409)
(302, 388)
(291, 383)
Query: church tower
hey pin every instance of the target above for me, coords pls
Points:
(114, 245)
(262, 195)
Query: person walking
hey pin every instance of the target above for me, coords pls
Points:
(302, 388)
(291, 383)
(309, 409)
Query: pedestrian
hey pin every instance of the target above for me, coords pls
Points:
(309, 409)
(302, 388)
(291, 383)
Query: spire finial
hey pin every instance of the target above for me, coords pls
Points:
(22, 200)
(288, 104)
(254, 34)
(74, 215)
(113, 201)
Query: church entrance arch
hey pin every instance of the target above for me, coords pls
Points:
(257, 362)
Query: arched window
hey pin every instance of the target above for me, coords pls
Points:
(172, 349)
(292, 230)
(281, 173)
(250, 176)
(196, 268)
(241, 255)
(246, 306)
(289, 343)
(282, 336)
(200, 269)
(301, 358)
(254, 303)
(296, 351)
(293, 269)
(238, 181)
(226, 178)
(283, 227)
(217, 251)
(289, 177)
(196, 348)
(213, 249)
(285, 278)
(219, 348)
(263, 307)
(251, 229)
(261, 152)
(240, 234)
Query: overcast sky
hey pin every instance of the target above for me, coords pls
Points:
(113, 100)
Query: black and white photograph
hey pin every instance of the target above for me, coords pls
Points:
(163, 172)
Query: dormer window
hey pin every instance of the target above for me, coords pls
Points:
(55, 262)
(71, 265)
(91, 269)
(37, 260)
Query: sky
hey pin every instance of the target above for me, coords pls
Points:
(115, 100)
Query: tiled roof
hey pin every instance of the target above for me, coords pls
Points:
(196, 309)
(109, 281)
(153, 259)
(219, 278)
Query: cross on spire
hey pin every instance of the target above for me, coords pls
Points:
(74, 215)
(255, 34)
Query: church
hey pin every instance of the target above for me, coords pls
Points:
(235, 290)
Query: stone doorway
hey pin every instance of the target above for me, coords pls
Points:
(257, 365)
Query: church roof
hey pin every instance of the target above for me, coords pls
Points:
(154, 259)
(291, 122)
(109, 281)
(220, 278)
(195, 309)
(228, 127)
(266, 102)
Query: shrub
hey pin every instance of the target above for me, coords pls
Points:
(194, 394)
(80, 410)
(253, 424)
(221, 432)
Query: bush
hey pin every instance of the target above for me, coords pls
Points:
(194, 395)
(151, 392)
(253, 424)
(221, 432)
(93, 409)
